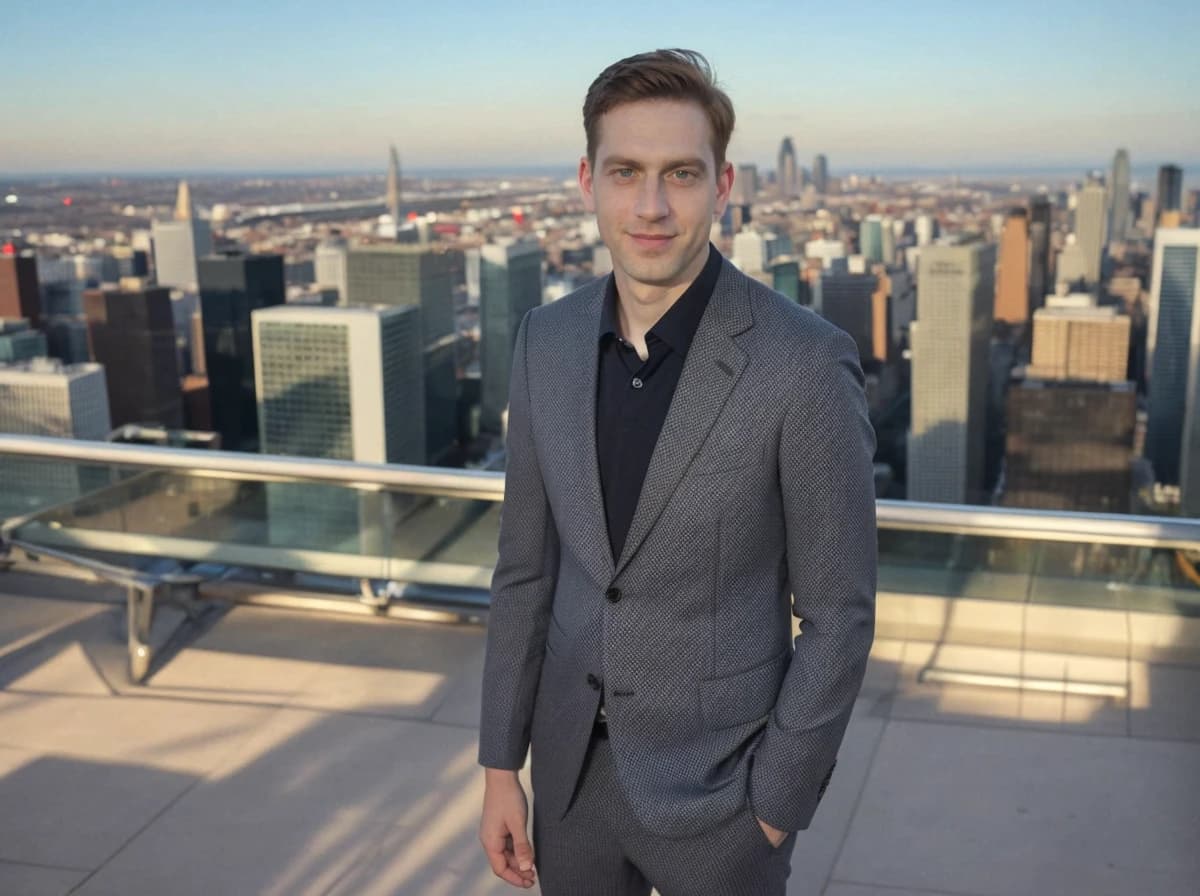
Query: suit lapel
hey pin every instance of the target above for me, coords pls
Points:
(579, 372)
(712, 367)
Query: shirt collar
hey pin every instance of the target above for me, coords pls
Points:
(678, 325)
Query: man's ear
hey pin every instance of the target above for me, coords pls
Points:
(586, 185)
(724, 188)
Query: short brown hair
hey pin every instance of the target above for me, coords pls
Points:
(660, 75)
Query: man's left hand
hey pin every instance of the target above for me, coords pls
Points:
(774, 835)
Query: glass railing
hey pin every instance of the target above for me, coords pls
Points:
(439, 527)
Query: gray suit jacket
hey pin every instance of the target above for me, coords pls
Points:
(760, 487)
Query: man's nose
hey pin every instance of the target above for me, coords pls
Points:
(652, 200)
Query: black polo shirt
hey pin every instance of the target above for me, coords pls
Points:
(633, 396)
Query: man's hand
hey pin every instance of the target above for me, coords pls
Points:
(502, 828)
(775, 835)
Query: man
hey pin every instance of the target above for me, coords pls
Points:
(687, 449)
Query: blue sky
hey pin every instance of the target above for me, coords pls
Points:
(126, 86)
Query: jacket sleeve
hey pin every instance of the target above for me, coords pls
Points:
(827, 483)
(522, 586)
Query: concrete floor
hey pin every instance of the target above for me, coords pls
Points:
(283, 752)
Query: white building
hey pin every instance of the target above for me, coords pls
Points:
(949, 342)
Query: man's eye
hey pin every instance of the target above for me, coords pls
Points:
(685, 175)
(624, 173)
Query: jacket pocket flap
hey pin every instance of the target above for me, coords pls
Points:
(743, 696)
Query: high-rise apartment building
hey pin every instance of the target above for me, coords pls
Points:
(785, 171)
(510, 284)
(1118, 197)
(178, 243)
(1173, 363)
(1012, 285)
(132, 333)
(950, 353)
(19, 293)
(1082, 344)
(232, 286)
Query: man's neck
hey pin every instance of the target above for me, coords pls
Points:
(641, 305)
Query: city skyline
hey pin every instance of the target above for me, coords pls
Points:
(304, 87)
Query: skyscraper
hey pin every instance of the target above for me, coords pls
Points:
(20, 342)
(402, 275)
(1083, 344)
(1170, 189)
(870, 238)
(343, 383)
(847, 300)
(510, 283)
(179, 242)
(1039, 250)
(41, 397)
(132, 333)
(1173, 362)
(1091, 212)
(745, 184)
(329, 265)
(1118, 197)
(393, 185)
(950, 340)
(820, 173)
(785, 171)
(19, 293)
(1012, 287)
(232, 286)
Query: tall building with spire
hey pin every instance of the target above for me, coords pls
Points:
(785, 171)
(1118, 198)
(179, 242)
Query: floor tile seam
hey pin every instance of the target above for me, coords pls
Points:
(900, 888)
(195, 782)
(857, 803)
(1040, 728)
(43, 865)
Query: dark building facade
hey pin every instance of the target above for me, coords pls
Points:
(19, 296)
(1070, 446)
(132, 333)
(232, 285)
(1170, 188)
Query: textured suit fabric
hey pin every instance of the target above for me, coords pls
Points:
(600, 849)
(760, 487)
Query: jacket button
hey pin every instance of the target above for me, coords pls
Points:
(593, 681)
(613, 594)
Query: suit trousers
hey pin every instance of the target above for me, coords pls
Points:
(600, 849)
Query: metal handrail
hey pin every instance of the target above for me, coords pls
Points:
(955, 519)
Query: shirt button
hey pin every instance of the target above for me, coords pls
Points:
(637, 382)
(613, 594)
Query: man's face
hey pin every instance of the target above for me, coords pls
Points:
(655, 189)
